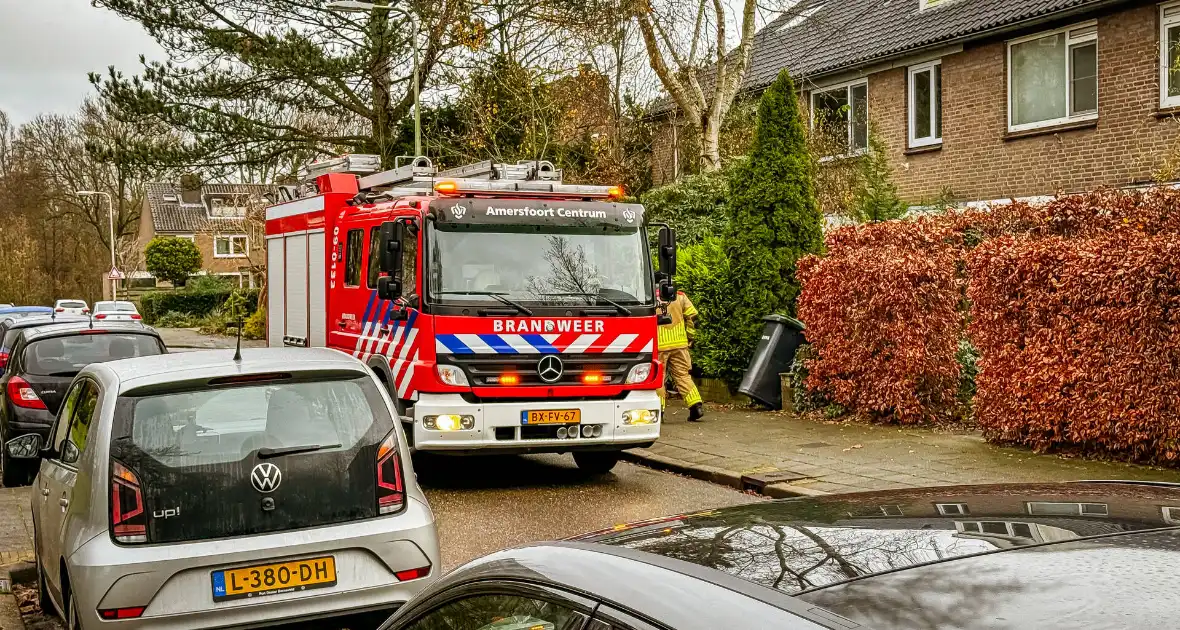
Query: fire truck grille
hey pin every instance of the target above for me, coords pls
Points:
(523, 370)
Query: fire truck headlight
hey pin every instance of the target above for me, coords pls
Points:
(448, 422)
(452, 375)
(639, 373)
(641, 416)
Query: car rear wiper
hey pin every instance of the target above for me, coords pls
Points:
(498, 296)
(266, 452)
(623, 310)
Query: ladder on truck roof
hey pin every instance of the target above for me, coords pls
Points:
(419, 176)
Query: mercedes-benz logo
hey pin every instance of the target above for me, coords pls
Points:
(266, 477)
(549, 368)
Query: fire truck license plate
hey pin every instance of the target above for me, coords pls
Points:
(551, 416)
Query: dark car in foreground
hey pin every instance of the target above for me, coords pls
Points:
(1045, 556)
(41, 363)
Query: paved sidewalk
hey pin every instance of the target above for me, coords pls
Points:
(782, 455)
(16, 526)
(193, 339)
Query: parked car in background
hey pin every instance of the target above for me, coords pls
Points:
(10, 328)
(42, 362)
(6, 305)
(73, 307)
(17, 312)
(116, 311)
(199, 472)
(1046, 556)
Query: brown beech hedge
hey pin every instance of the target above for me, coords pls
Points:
(882, 313)
(1073, 305)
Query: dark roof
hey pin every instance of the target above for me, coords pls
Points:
(840, 35)
(173, 216)
(64, 329)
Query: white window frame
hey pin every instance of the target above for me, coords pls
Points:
(1070, 42)
(1171, 514)
(952, 509)
(1167, 21)
(207, 202)
(230, 237)
(915, 142)
(1079, 505)
(847, 87)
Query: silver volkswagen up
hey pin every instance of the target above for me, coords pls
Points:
(196, 491)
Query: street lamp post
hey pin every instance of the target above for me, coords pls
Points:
(357, 6)
(111, 213)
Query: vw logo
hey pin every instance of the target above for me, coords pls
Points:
(266, 477)
(550, 369)
(458, 211)
(629, 215)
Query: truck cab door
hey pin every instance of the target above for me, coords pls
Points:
(352, 305)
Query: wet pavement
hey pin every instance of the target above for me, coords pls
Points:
(483, 504)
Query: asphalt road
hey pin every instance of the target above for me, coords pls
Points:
(483, 504)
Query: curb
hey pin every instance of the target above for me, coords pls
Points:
(10, 618)
(719, 476)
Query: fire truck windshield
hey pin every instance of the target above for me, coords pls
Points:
(540, 265)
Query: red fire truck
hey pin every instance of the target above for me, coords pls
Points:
(504, 310)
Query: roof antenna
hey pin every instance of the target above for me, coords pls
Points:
(238, 350)
(91, 320)
(237, 304)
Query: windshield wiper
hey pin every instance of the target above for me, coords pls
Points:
(267, 452)
(498, 296)
(623, 310)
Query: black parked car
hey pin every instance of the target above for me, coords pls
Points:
(10, 327)
(42, 362)
(1046, 556)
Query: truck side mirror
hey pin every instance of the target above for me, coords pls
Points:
(390, 242)
(667, 252)
(389, 288)
(667, 291)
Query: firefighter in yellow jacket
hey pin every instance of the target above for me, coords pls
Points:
(675, 339)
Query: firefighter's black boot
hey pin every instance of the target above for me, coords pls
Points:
(696, 413)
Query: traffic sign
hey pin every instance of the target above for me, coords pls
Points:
(115, 274)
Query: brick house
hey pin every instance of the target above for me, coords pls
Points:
(213, 216)
(981, 99)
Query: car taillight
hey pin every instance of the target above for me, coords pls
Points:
(128, 518)
(100, 316)
(59, 310)
(85, 310)
(413, 574)
(3, 359)
(136, 316)
(21, 394)
(391, 494)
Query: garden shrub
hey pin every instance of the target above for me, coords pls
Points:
(693, 205)
(702, 273)
(195, 304)
(883, 317)
(172, 319)
(255, 325)
(774, 220)
(1079, 339)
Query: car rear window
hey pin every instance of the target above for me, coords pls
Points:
(63, 356)
(71, 304)
(215, 426)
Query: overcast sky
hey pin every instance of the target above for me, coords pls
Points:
(48, 46)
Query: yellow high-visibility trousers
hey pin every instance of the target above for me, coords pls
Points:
(678, 362)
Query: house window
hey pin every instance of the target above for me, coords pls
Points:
(996, 528)
(1171, 515)
(891, 510)
(952, 509)
(1170, 55)
(841, 114)
(1049, 508)
(230, 246)
(226, 206)
(1053, 78)
(926, 104)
